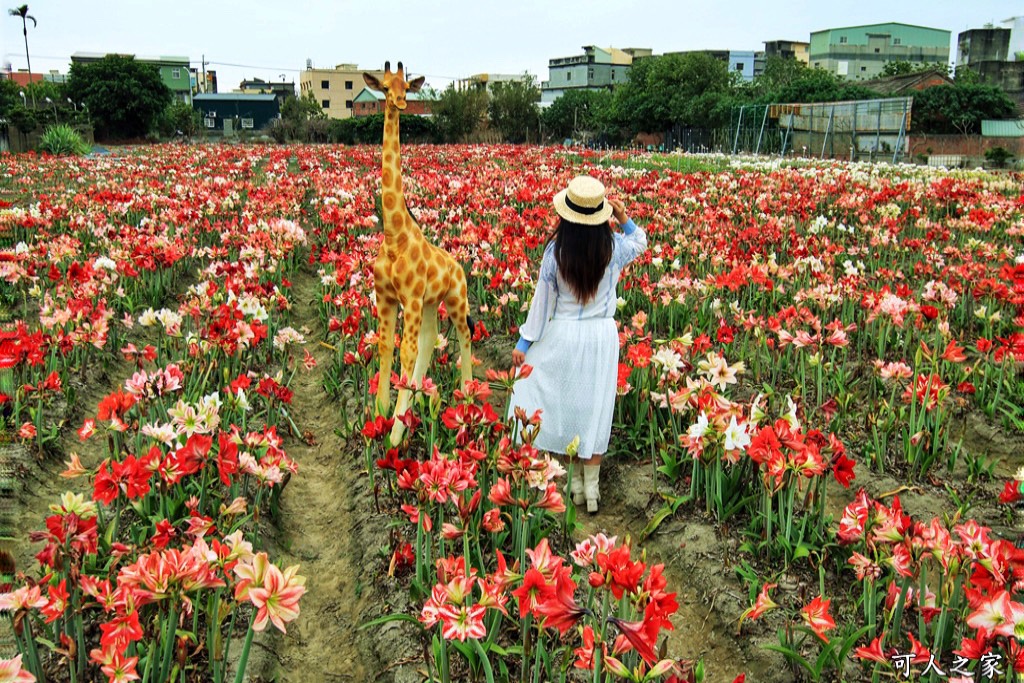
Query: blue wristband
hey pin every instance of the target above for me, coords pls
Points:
(523, 345)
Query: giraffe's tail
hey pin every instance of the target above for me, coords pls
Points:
(471, 323)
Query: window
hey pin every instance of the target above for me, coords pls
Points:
(210, 122)
(175, 74)
(613, 74)
(877, 50)
(842, 40)
(897, 41)
(817, 64)
(590, 74)
(246, 123)
(739, 66)
(348, 104)
(325, 104)
(863, 68)
(325, 85)
(568, 75)
(348, 85)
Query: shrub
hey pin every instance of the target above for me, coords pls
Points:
(63, 139)
(998, 156)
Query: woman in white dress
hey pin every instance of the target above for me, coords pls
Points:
(569, 337)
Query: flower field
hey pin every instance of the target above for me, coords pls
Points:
(813, 472)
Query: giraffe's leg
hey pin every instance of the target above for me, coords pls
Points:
(413, 317)
(458, 311)
(387, 315)
(428, 337)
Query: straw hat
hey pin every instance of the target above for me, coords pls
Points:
(583, 202)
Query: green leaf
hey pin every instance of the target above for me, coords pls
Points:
(389, 618)
(791, 655)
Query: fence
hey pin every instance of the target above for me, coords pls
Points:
(849, 129)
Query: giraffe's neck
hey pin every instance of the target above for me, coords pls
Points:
(397, 224)
(391, 154)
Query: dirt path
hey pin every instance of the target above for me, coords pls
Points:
(318, 524)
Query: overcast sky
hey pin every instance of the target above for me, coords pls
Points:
(446, 39)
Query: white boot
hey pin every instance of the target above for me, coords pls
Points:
(576, 486)
(591, 478)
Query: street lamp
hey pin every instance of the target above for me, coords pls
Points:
(54, 109)
(73, 104)
(24, 102)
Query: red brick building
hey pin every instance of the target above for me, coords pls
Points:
(370, 102)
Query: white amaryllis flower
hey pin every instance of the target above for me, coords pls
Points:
(148, 318)
(790, 415)
(699, 428)
(736, 437)
(667, 359)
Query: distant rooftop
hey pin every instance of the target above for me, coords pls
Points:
(141, 58)
(249, 97)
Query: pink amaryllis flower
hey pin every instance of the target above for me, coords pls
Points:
(463, 621)
(991, 615)
(11, 671)
(277, 599)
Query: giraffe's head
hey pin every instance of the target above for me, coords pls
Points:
(393, 85)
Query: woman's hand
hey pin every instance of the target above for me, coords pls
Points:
(619, 211)
(518, 357)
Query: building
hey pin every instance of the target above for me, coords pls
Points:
(174, 71)
(197, 81)
(23, 78)
(989, 44)
(258, 86)
(991, 53)
(230, 112)
(1016, 47)
(597, 68)
(369, 102)
(487, 81)
(335, 89)
(860, 52)
(747, 63)
(788, 49)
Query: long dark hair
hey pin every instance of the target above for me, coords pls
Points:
(582, 253)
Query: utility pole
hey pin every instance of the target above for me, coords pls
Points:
(204, 74)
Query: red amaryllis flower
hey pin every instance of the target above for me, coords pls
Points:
(815, 614)
(585, 654)
(637, 635)
(760, 606)
(842, 470)
(874, 651)
(1011, 492)
(535, 589)
(558, 609)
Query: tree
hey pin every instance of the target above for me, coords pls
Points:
(902, 68)
(460, 112)
(672, 90)
(22, 13)
(513, 108)
(576, 112)
(125, 97)
(302, 109)
(959, 108)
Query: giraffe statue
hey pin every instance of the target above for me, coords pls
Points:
(409, 270)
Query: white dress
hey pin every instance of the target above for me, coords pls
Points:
(574, 354)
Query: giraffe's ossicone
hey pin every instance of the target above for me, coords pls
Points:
(410, 271)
